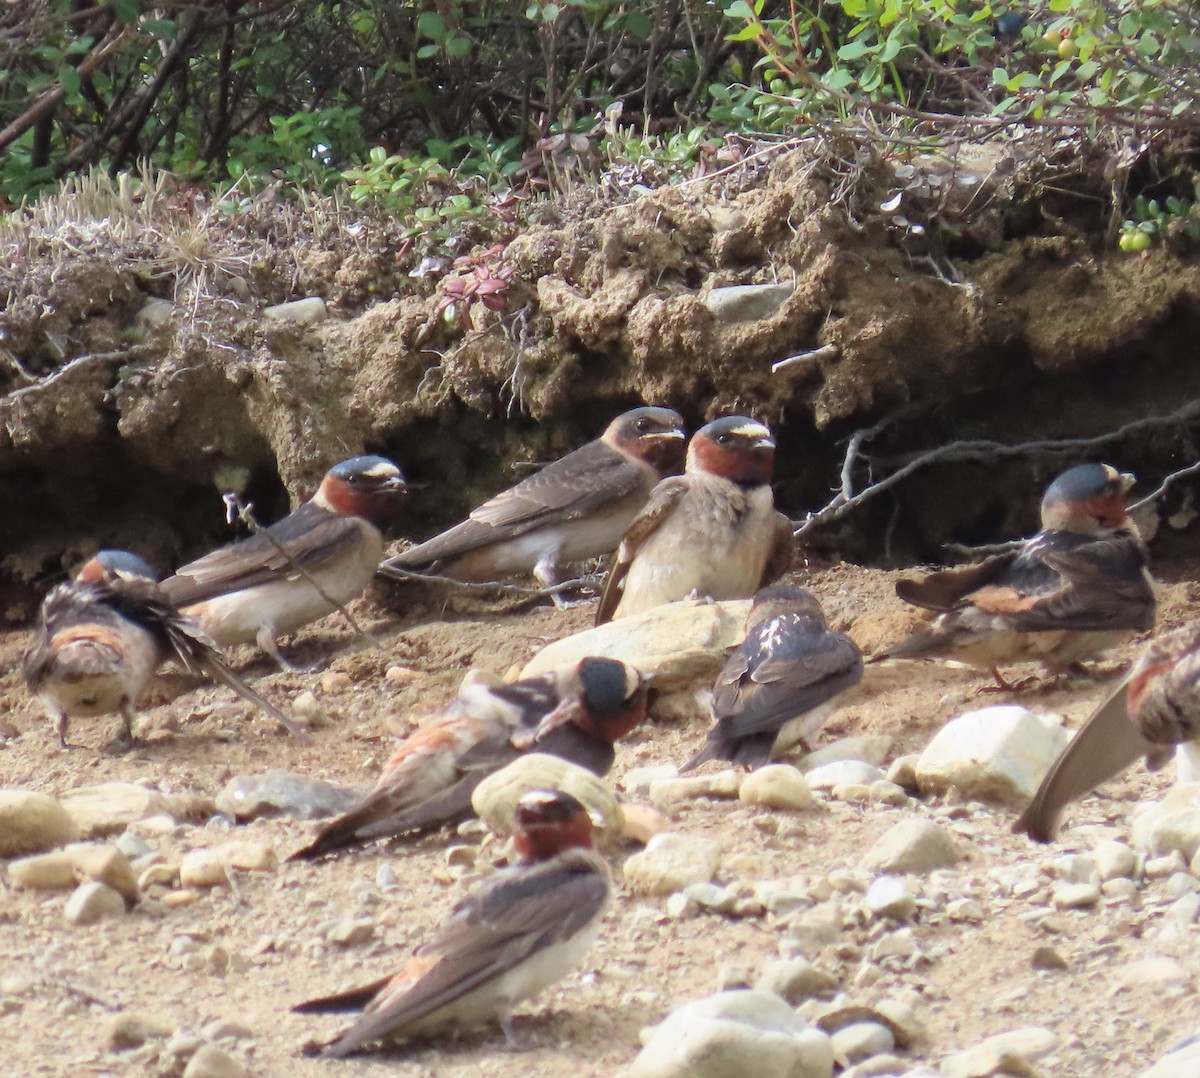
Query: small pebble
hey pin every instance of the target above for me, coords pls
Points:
(91, 902)
(889, 897)
(1076, 896)
(1047, 958)
(209, 1061)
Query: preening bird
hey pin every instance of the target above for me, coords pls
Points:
(101, 637)
(522, 930)
(576, 713)
(712, 532)
(299, 569)
(1077, 588)
(780, 683)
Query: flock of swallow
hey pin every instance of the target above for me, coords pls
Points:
(1075, 589)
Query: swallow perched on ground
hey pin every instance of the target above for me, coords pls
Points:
(576, 508)
(779, 684)
(711, 532)
(299, 569)
(101, 637)
(577, 714)
(524, 929)
(1156, 706)
(1077, 588)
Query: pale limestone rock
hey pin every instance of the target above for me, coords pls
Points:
(1014, 1052)
(994, 754)
(678, 644)
(796, 979)
(747, 302)
(912, 846)
(495, 798)
(777, 786)
(1161, 827)
(866, 748)
(209, 1061)
(32, 821)
(670, 862)
(640, 823)
(890, 897)
(744, 1032)
(674, 791)
(210, 867)
(91, 902)
(110, 807)
(861, 1040)
(843, 773)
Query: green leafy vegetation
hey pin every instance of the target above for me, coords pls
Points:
(437, 113)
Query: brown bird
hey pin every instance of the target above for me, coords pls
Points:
(576, 508)
(299, 569)
(779, 684)
(1156, 706)
(524, 929)
(101, 637)
(1077, 588)
(712, 532)
(577, 714)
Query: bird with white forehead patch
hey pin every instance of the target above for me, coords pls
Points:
(1077, 588)
(101, 637)
(1155, 709)
(712, 532)
(781, 682)
(577, 713)
(298, 570)
(575, 508)
(521, 931)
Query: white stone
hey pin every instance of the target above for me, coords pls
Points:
(889, 897)
(210, 867)
(994, 754)
(747, 302)
(796, 979)
(745, 1032)
(1171, 824)
(110, 807)
(912, 846)
(495, 798)
(674, 791)
(1005, 1053)
(303, 312)
(91, 902)
(670, 862)
(777, 786)
(861, 1040)
(638, 780)
(1114, 860)
(867, 748)
(1076, 896)
(209, 1061)
(964, 909)
(31, 822)
(676, 645)
(1154, 972)
(843, 773)
(1183, 1062)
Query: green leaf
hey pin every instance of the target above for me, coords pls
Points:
(127, 11)
(163, 29)
(69, 80)
(639, 25)
(853, 50)
(739, 9)
(550, 12)
(459, 46)
(431, 25)
(426, 51)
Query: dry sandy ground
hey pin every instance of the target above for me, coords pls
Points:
(975, 979)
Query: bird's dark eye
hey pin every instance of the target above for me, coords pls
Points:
(641, 426)
(724, 439)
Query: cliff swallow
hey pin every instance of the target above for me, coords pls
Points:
(524, 929)
(576, 508)
(299, 569)
(1077, 588)
(576, 714)
(1155, 707)
(711, 532)
(779, 684)
(100, 638)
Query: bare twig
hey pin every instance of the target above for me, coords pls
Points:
(826, 351)
(62, 372)
(1161, 489)
(845, 501)
(962, 550)
(393, 572)
(245, 513)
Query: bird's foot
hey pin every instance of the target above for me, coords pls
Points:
(1009, 686)
(266, 640)
(121, 744)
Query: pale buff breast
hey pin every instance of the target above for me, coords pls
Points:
(94, 675)
(715, 544)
